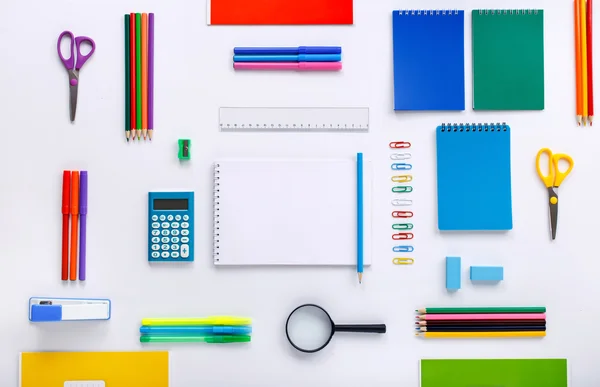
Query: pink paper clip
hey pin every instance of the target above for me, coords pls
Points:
(402, 214)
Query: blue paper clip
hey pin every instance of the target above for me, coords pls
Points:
(403, 249)
(401, 166)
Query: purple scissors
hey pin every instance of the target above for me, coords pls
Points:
(73, 66)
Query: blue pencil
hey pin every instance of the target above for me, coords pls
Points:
(195, 330)
(359, 208)
(288, 58)
(287, 50)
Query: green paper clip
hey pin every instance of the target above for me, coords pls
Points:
(184, 149)
(401, 189)
(402, 226)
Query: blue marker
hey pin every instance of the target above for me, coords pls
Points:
(196, 330)
(287, 50)
(288, 58)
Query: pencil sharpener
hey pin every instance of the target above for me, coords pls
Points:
(184, 149)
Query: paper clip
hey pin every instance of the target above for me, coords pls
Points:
(403, 249)
(401, 167)
(402, 214)
(403, 261)
(400, 144)
(403, 235)
(400, 156)
(402, 226)
(402, 189)
(401, 202)
(402, 178)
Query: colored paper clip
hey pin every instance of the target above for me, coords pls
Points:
(402, 214)
(401, 202)
(402, 235)
(403, 261)
(400, 144)
(402, 226)
(403, 249)
(402, 178)
(400, 156)
(402, 189)
(401, 167)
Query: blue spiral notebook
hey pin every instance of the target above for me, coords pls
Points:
(429, 60)
(473, 177)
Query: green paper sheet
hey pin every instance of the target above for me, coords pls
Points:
(494, 373)
(508, 59)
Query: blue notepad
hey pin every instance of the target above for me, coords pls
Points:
(473, 177)
(429, 60)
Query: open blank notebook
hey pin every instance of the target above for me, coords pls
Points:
(288, 212)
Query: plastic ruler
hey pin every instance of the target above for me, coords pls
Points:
(294, 119)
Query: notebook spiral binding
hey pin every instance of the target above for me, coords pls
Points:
(498, 127)
(508, 11)
(216, 220)
(436, 12)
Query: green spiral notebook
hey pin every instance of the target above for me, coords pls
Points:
(508, 59)
(494, 373)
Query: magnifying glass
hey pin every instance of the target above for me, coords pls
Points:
(309, 328)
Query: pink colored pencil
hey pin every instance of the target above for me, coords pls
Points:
(484, 316)
(301, 66)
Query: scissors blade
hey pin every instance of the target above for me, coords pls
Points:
(73, 87)
(553, 211)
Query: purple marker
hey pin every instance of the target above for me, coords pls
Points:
(150, 75)
(83, 200)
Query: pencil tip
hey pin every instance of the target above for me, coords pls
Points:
(360, 278)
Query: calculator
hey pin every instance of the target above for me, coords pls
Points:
(170, 226)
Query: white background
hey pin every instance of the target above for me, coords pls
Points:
(194, 77)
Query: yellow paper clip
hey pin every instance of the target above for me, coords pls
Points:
(403, 261)
(402, 178)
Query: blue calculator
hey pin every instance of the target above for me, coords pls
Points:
(170, 226)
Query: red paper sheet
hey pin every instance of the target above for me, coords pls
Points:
(233, 12)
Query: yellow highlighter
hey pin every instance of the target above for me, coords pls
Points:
(188, 321)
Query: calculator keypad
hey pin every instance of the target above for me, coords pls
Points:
(170, 237)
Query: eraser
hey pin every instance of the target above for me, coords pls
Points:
(452, 273)
(487, 273)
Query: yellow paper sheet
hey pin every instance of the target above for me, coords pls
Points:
(116, 369)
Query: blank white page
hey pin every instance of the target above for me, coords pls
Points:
(289, 212)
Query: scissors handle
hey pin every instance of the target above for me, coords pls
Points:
(560, 176)
(81, 59)
(70, 62)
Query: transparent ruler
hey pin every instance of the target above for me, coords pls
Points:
(294, 119)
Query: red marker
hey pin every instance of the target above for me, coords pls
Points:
(66, 208)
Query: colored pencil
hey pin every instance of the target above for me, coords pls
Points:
(359, 211)
(491, 328)
(584, 69)
(127, 81)
(471, 335)
(590, 66)
(83, 209)
(578, 90)
(150, 75)
(66, 211)
(138, 71)
(144, 74)
(478, 322)
(485, 316)
(74, 224)
(485, 309)
(133, 70)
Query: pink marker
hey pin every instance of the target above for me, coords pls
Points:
(302, 66)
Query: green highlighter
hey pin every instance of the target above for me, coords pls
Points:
(196, 339)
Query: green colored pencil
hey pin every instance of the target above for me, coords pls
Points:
(196, 339)
(127, 80)
(489, 309)
(138, 72)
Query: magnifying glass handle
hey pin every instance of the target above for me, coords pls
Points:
(363, 328)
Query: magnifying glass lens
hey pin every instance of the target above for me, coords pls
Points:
(309, 328)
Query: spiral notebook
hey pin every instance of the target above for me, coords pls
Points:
(473, 177)
(429, 60)
(288, 212)
(508, 59)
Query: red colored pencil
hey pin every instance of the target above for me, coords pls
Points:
(589, 62)
(66, 211)
(132, 63)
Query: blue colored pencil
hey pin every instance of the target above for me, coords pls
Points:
(195, 330)
(359, 208)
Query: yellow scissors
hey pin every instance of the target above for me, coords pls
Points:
(552, 181)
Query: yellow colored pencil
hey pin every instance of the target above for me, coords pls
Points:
(188, 321)
(584, 69)
(468, 335)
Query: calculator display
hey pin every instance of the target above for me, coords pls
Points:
(171, 204)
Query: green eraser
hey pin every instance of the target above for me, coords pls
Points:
(184, 149)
